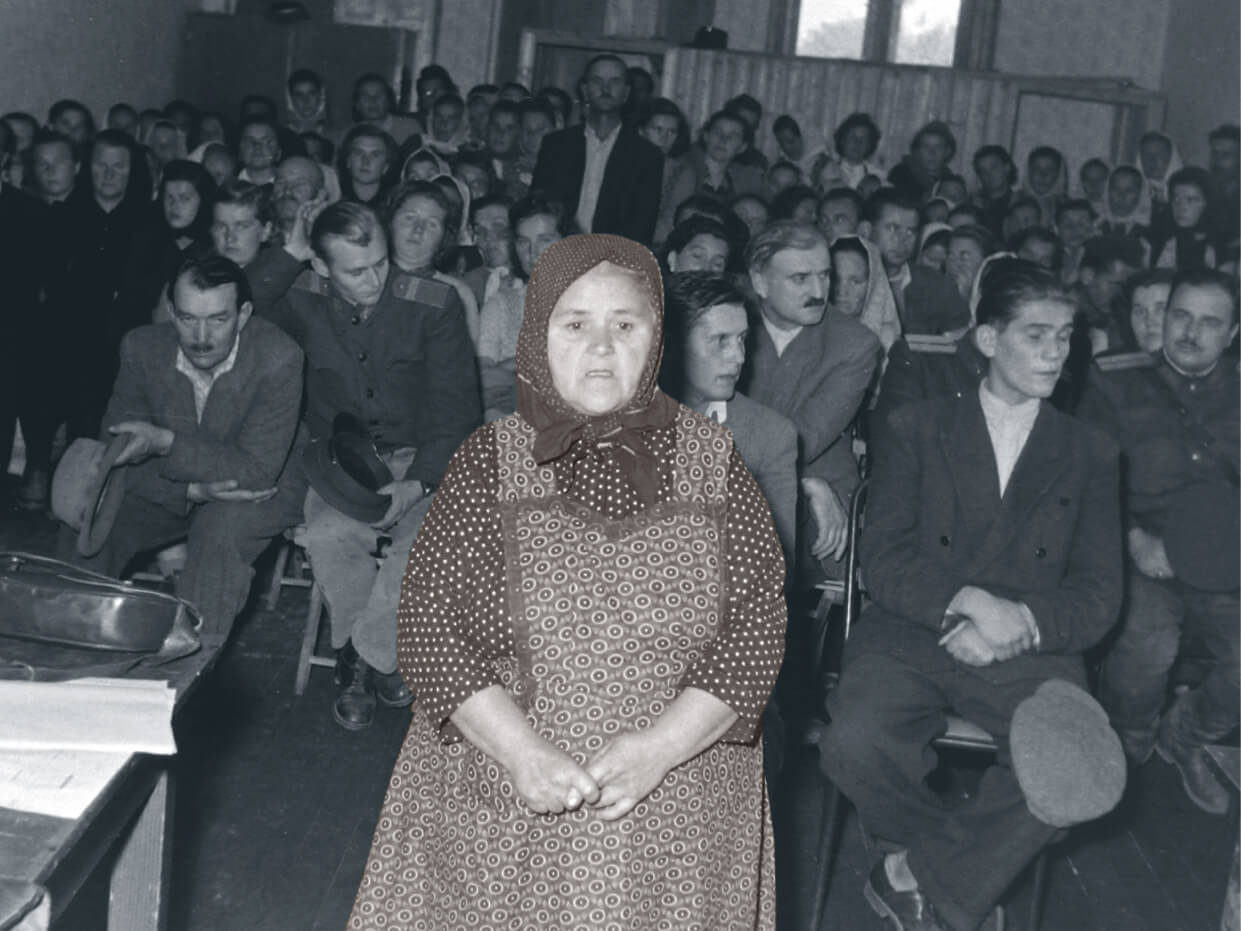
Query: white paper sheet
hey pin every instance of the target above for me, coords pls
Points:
(61, 783)
(102, 715)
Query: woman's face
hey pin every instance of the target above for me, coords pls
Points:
(934, 256)
(661, 132)
(417, 231)
(1044, 171)
(830, 177)
(368, 160)
(210, 129)
(237, 233)
(534, 235)
(993, 174)
(109, 171)
(181, 203)
(964, 259)
(1027, 354)
(1094, 182)
(1155, 154)
(806, 210)
(724, 140)
(850, 276)
(1146, 315)
(474, 178)
(1188, 205)
(856, 145)
(421, 169)
(703, 253)
(932, 152)
(598, 339)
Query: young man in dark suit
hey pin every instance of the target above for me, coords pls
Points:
(604, 170)
(210, 404)
(991, 554)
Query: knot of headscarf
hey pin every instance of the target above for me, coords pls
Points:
(560, 430)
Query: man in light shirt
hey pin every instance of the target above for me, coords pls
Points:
(610, 174)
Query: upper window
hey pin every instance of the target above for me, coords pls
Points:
(911, 32)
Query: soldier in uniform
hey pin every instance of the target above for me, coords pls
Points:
(1175, 414)
(392, 351)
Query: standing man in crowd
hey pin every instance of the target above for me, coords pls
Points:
(387, 349)
(606, 170)
(1177, 417)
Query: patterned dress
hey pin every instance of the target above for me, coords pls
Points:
(594, 623)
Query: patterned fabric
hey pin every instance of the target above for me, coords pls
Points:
(594, 626)
(621, 434)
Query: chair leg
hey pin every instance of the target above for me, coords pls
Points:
(829, 831)
(1039, 891)
(310, 638)
(277, 575)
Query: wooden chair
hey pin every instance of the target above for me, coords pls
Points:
(292, 568)
(961, 734)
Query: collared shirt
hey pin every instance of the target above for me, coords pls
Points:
(780, 338)
(202, 381)
(1009, 427)
(598, 151)
(717, 411)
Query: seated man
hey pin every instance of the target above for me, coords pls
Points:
(812, 364)
(206, 460)
(928, 301)
(991, 556)
(388, 349)
(705, 331)
(1175, 414)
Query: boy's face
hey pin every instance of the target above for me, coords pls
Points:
(1123, 193)
(1155, 155)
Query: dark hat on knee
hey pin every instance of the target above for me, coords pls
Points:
(1066, 756)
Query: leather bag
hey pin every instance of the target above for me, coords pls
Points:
(60, 621)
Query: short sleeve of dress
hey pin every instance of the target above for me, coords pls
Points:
(740, 665)
(452, 622)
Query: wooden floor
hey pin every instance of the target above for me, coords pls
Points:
(276, 805)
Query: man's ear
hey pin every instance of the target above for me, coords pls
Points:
(319, 266)
(985, 336)
(243, 314)
(864, 229)
(758, 283)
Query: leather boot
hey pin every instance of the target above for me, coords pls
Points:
(354, 708)
(1179, 745)
(390, 688)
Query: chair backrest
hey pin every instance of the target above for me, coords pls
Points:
(853, 586)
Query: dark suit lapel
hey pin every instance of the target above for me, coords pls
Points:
(966, 447)
(611, 187)
(1042, 459)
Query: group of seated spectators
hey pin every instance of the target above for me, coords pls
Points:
(298, 269)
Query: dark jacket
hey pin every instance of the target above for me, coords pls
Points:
(767, 443)
(935, 523)
(629, 196)
(248, 424)
(931, 303)
(407, 372)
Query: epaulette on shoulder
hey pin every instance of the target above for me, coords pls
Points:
(1124, 360)
(931, 342)
(409, 287)
(310, 281)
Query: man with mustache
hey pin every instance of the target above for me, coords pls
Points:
(610, 175)
(209, 402)
(1175, 414)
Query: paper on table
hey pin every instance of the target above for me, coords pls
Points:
(111, 715)
(60, 783)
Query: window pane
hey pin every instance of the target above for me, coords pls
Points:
(832, 28)
(926, 32)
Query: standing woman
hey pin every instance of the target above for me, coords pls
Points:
(592, 619)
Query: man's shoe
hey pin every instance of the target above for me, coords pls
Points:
(354, 708)
(1201, 784)
(908, 911)
(391, 689)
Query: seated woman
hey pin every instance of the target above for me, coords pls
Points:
(968, 246)
(1127, 207)
(537, 223)
(991, 552)
(592, 619)
(1046, 181)
(661, 123)
(422, 227)
(860, 288)
(699, 244)
(1181, 237)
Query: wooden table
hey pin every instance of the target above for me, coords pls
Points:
(127, 828)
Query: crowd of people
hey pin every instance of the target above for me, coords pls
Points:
(1035, 369)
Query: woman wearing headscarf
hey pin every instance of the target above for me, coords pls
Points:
(1046, 182)
(860, 288)
(592, 619)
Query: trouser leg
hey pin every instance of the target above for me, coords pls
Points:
(374, 632)
(140, 525)
(225, 539)
(1135, 671)
(1210, 710)
(340, 550)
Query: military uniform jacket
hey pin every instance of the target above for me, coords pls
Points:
(407, 371)
(1151, 410)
